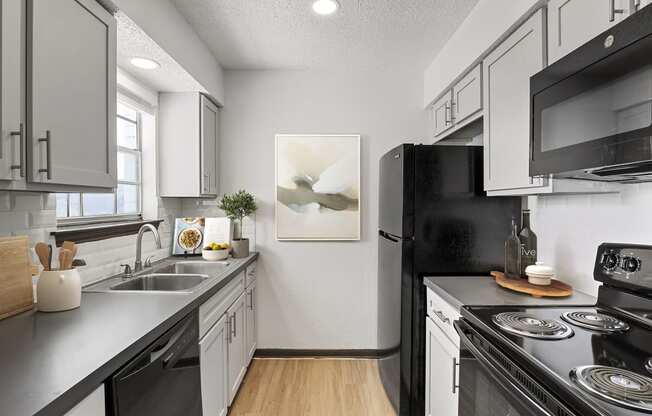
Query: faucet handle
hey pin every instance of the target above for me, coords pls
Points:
(127, 270)
(148, 261)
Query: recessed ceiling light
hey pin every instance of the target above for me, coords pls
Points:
(145, 63)
(325, 7)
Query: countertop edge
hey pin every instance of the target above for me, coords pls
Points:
(71, 397)
(450, 299)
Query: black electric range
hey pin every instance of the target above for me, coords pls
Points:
(565, 361)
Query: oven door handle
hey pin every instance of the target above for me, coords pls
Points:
(496, 373)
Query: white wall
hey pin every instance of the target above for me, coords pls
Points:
(166, 26)
(570, 228)
(315, 294)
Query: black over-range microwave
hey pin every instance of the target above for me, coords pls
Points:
(591, 111)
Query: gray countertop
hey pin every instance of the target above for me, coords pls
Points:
(51, 361)
(459, 291)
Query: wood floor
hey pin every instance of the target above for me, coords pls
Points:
(312, 387)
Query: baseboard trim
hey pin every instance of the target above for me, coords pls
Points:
(319, 353)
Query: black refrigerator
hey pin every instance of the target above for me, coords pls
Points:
(434, 219)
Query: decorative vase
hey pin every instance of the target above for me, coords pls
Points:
(58, 290)
(240, 248)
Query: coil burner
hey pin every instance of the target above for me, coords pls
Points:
(527, 325)
(621, 387)
(595, 321)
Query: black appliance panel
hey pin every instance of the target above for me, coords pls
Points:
(550, 361)
(492, 384)
(625, 265)
(394, 315)
(435, 199)
(592, 109)
(163, 380)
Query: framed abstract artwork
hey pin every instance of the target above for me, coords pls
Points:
(318, 187)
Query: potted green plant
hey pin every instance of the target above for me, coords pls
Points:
(237, 206)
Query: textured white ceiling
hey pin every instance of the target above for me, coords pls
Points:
(286, 34)
(134, 42)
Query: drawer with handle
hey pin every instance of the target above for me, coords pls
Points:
(250, 274)
(213, 309)
(443, 314)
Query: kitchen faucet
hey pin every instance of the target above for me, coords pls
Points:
(138, 265)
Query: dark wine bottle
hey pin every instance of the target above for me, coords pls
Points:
(528, 243)
(513, 253)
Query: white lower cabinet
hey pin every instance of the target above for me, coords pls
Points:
(250, 323)
(92, 405)
(213, 359)
(442, 372)
(227, 342)
(237, 365)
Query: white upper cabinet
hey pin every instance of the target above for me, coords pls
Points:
(188, 145)
(71, 93)
(209, 157)
(467, 96)
(12, 63)
(571, 23)
(442, 114)
(459, 105)
(506, 131)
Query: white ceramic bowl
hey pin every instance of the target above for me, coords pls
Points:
(215, 255)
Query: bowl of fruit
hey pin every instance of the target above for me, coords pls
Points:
(215, 251)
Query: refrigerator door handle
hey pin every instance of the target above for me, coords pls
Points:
(389, 236)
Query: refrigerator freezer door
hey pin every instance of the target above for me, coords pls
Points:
(395, 286)
(396, 191)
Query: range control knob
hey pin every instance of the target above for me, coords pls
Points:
(631, 264)
(610, 261)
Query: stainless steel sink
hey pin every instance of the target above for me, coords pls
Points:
(195, 267)
(165, 282)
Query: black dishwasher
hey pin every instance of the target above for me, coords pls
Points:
(164, 379)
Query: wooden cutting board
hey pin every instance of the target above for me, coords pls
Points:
(16, 293)
(556, 289)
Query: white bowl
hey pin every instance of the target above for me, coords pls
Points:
(215, 255)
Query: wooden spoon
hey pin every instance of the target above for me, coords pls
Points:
(43, 253)
(65, 259)
(69, 245)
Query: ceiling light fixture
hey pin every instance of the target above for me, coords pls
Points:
(144, 63)
(325, 7)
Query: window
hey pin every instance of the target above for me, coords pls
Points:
(126, 200)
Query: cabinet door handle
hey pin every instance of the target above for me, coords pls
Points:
(613, 11)
(447, 114)
(455, 365)
(21, 144)
(48, 154)
(452, 111)
(228, 329)
(251, 300)
(442, 317)
(235, 325)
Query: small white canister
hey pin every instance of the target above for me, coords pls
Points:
(58, 290)
(540, 274)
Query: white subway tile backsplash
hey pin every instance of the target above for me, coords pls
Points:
(33, 214)
(27, 201)
(13, 220)
(5, 201)
(42, 219)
